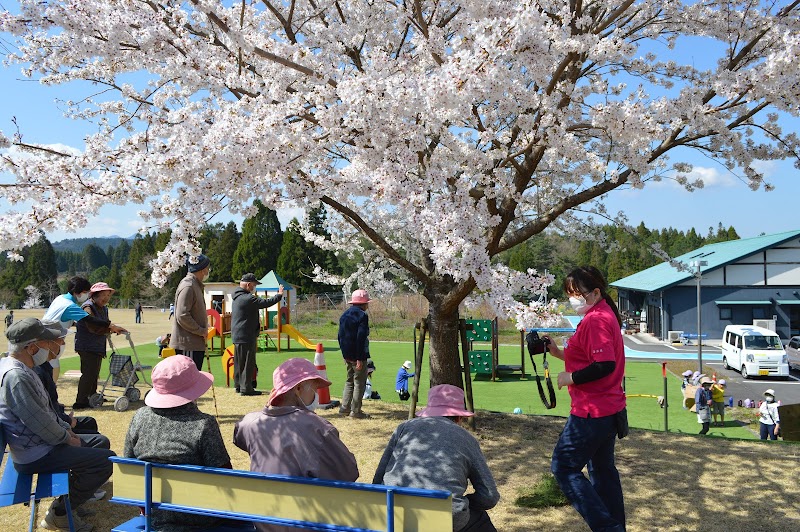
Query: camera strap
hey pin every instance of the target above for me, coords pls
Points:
(551, 403)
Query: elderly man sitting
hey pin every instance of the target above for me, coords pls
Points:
(40, 442)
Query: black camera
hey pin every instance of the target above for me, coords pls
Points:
(536, 345)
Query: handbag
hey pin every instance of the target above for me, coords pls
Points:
(621, 419)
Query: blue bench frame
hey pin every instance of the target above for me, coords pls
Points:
(16, 488)
(142, 522)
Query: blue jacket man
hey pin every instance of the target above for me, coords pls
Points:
(354, 343)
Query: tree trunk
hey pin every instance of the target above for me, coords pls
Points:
(445, 358)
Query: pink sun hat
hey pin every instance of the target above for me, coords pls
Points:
(445, 400)
(100, 287)
(177, 381)
(360, 297)
(291, 373)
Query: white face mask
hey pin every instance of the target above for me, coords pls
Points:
(770, 399)
(41, 356)
(313, 405)
(579, 304)
(81, 298)
(60, 350)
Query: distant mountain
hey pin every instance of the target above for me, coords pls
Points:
(78, 244)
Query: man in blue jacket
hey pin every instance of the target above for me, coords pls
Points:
(245, 327)
(354, 343)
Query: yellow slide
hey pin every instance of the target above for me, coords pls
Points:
(297, 335)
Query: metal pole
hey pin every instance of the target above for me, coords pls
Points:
(699, 323)
(666, 402)
(699, 264)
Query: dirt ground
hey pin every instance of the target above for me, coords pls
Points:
(671, 482)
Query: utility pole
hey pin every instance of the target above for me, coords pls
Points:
(699, 276)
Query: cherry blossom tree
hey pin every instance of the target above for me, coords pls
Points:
(436, 133)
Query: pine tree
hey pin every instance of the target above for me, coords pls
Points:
(260, 243)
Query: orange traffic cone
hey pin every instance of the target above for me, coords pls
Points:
(324, 394)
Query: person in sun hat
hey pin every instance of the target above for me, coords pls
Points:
(171, 429)
(40, 441)
(687, 379)
(718, 402)
(414, 457)
(354, 344)
(401, 384)
(703, 403)
(66, 310)
(91, 342)
(769, 421)
(287, 438)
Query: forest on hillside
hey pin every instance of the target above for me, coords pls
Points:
(261, 246)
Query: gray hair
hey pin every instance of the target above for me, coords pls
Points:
(16, 348)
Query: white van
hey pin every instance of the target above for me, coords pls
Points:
(755, 351)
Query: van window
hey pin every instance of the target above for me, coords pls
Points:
(763, 342)
(738, 341)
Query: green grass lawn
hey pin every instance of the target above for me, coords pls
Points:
(503, 395)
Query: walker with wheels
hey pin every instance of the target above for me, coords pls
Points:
(123, 375)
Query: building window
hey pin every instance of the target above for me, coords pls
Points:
(725, 313)
(758, 314)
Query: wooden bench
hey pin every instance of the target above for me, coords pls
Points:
(282, 500)
(16, 488)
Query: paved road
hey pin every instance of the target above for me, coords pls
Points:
(788, 392)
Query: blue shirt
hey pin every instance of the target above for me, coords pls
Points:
(402, 379)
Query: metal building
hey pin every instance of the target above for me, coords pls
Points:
(746, 281)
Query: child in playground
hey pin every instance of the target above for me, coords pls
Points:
(369, 393)
(402, 380)
(718, 402)
(162, 342)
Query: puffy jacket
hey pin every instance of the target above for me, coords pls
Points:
(245, 324)
(190, 328)
(353, 334)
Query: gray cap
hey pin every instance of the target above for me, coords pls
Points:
(250, 278)
(31, 329)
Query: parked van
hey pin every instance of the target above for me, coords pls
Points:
(754, 351)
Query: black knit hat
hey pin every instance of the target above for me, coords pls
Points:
(202, 262)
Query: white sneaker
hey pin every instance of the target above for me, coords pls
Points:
(52, 521)
(98, 495)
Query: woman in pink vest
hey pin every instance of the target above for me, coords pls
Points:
(595, 364)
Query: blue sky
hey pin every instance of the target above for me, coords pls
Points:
(725, 199)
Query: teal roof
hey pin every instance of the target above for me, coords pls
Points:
(663, 276)
(272, 281)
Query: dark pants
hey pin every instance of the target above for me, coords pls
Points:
(138, 317)
(85, 425)
(89, 468)
(96, 441)
(90, 372)
(197, 356)
(354, 386)
(767, 431)
(478, 522)
(590, 442)
(244, 366)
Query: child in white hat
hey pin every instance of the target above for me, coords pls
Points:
(401, 385)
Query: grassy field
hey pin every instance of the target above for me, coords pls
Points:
(672, 481)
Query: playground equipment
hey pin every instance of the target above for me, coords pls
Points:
(486, 361)
(278, 322)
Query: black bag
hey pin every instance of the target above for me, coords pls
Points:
(621, 418)
(404, 395)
